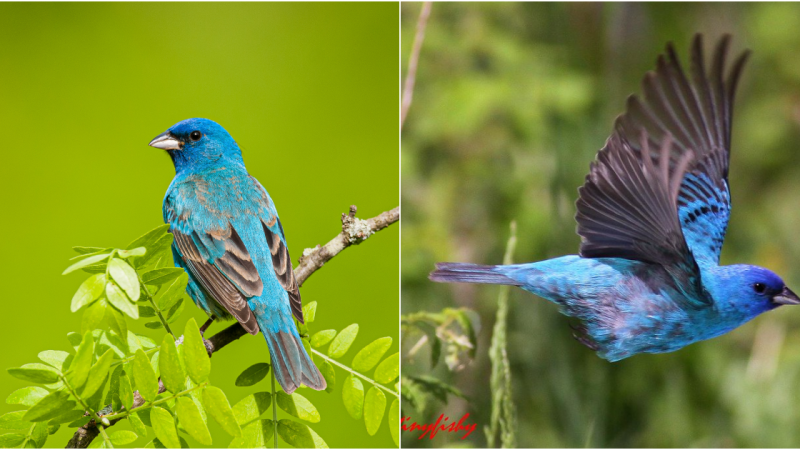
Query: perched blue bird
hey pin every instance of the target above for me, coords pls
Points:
(652, 216)
(230, 241)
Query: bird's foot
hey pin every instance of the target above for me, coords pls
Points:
(205, 327)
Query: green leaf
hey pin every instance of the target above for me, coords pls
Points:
(83, 361)
(11, 440)
(154, 325)
(69, 416)
(125, 391)
(252, 374)
(175, 311)
(191, 420)
(154, 251)
(146, 311)
(146, 240)
(116, 322)
(252, 407)
(394, 421)
(257, 435)
(169, 365)
(38, 435)
(89, 291)
(12, 422)
(138, 251)
(87, 250)
(374, 407)
(295, 434)
(217, 406)
(27, 396)
(144, 376)
(370, 355)
(137, 424)
(164, 427)
(123, 437)
(353, 396)
(80, 422)
(93, 316)
(125, 277)
(298, 406)
(309, 312)
(35, 372)
(326, 369)
(195, 355)
(342, 342)
(157, 277)
(56, 358)
(118, 298)
(98, 373)
(51, 406)
(170, 294)
(389, 369)
(321, 338)
(318, 441)
(85, 262)
(154, 363)
(52, 427)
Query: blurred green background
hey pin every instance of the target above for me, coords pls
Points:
(512, 102)
(309, 91)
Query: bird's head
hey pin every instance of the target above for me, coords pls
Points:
(754, 289)
(194, 144)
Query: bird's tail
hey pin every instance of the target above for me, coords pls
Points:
(470, 273)
(290, 361)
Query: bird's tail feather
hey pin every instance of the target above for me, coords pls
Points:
(290, 361)
(470, 273)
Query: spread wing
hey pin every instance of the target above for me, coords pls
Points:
(627, 209)
(221, 263)
(696, 111)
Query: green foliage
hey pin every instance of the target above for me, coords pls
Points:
(253, 374)
(110, 364)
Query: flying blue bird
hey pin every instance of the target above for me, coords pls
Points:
(230, 241)
(652, 216)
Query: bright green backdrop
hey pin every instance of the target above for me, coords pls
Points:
(309, 91)
(512, 102)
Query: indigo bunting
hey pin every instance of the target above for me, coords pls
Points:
(230, 241)
(652, 215)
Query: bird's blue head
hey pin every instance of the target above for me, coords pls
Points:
(197, 144)
(752, 289)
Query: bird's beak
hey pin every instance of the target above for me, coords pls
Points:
(786, 297)
(166, 141)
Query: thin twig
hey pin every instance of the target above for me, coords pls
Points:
(354, 231)
(408, 86)
(358, 374)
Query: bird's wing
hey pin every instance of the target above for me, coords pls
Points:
(221, 263)
(696, 111)
(281, 261)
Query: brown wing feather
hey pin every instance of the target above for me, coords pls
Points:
(235, 265)
(282, 264)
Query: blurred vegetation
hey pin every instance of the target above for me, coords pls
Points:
(512, 101)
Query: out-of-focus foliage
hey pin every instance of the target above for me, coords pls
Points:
(512, 101)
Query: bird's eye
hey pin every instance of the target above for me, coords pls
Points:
(195, 135)
(760, 287)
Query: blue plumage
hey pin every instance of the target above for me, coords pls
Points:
(652, 216)
(230, 241)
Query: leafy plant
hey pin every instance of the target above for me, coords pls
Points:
(452, 329)
(115, 374)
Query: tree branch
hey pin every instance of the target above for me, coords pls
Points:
(408, 86)
(354, 231)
